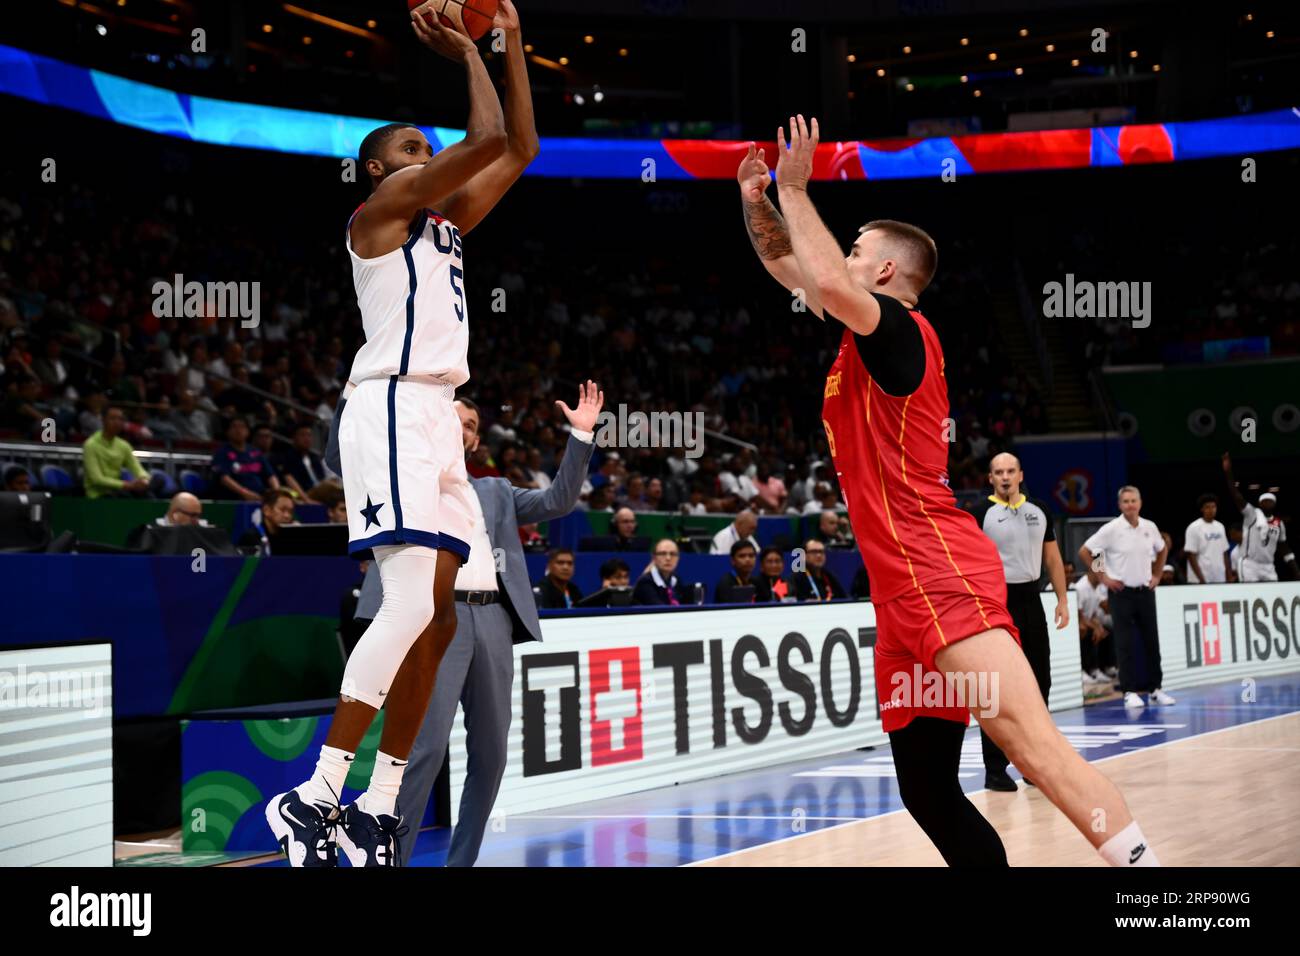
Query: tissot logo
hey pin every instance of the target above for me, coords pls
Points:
(1249, 630)
(553, 695)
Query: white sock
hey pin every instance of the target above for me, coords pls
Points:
(1128, 848)
(326, 784)
(385, 782)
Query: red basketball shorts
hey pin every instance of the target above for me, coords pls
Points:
(912, 628)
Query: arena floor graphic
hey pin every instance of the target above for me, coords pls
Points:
(1198, 777)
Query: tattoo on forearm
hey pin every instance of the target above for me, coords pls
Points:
(768, 232)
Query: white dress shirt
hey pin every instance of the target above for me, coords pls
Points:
(479, 573)
(1127, 551)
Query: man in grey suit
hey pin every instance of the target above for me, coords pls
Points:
(494, 610)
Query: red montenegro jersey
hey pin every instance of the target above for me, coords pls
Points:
(891, 456)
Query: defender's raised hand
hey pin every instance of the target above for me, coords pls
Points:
(753, 175)
(590, 401)
(795, 164)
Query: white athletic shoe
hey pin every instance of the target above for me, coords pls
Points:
(1158, 696)
(1111, 671)
(1099, 676)
(1133, 700)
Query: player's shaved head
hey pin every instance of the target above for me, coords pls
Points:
(909, 246)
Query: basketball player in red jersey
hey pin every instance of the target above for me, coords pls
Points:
(936, 580)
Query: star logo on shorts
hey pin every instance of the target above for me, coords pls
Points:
(370, 512)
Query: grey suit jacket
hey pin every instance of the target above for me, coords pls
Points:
(505, 508)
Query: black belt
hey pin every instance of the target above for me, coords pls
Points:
(478, 597)
(1024, 586)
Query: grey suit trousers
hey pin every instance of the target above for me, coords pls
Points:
(478, 670)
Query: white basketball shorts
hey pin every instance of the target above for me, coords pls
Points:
(1255, 571)
(403, 458)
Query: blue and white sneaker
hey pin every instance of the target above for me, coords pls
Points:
(306, 832)
(369, 840)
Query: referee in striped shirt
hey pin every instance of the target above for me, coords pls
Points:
(1022, 530)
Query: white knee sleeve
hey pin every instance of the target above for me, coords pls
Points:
(407, 573)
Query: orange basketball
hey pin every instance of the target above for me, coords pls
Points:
(470, 17)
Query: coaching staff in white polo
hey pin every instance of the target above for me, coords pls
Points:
(1133, 555)
(494, 611)
(1022, 529)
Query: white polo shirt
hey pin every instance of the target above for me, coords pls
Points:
(1127, 551)
(724, 539)
(1208, 540)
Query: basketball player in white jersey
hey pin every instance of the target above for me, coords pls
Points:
(399, 429)
(1262, 533)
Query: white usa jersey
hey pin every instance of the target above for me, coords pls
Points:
(1260, 535)
(412, 303)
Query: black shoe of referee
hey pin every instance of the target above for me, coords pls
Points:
(998, 780)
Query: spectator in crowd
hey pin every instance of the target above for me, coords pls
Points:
(738, 480)
(771, 586)
(91, 417)
(277, 511)
(264, 441)
(660, 584)
(184, 510)
(556, 588)
(742, 528)
(829, 533)
(301, 468)
(743, 558)
(771, 490)
(813, 506)
(1168, 575)
(694, 504)
(601, 497)
(189, 420)
(654, 496)
(22, 411)
(634, 499)
(533, 470)
(816, 582)
(1206, 545)
(337, 512)
(17, 478)
(615, 573)
(242, 471)
(624, 527)
(1132, 550)
(50, 367)
(106, 455)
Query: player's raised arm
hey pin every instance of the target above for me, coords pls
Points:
(401, 195)
(467, 206)
(816, 250)
(768, 233)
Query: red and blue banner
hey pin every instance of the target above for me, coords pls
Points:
(201, 119)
